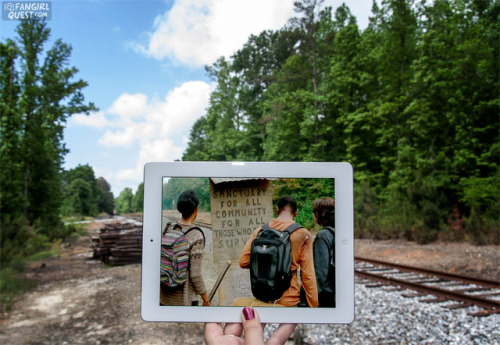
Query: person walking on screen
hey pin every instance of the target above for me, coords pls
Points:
(324, 251)
(299, 242)
(183, 282)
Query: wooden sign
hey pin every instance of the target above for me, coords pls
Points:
(238, 207)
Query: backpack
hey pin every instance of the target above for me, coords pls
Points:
(331, 268)
(326, 297)
(175, 256)
(270, 262)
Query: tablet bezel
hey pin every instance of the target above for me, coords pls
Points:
(344, 248)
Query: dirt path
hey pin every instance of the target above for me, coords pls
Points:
(81, 301)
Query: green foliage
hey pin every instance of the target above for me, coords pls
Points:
(31, 242)
(304, 191)
(83, 194)
(76, 230)
(128, 202)
(10, 285)
(105, 199)
(124, 201)
(175, 186)
(481, 195)
(366, 210)
(411, 101)
(138, 199)
(37, 95)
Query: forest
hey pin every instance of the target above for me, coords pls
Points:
(39, 91)
(411, 101)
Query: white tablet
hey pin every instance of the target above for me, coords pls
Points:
(207, 251)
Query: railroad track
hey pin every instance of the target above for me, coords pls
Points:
(465, 291)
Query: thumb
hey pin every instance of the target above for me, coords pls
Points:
(254, 335)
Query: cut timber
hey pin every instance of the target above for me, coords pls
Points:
(118, 244)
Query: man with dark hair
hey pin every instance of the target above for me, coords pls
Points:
(324, 251)
(301, 255)
(187, 204)
(185, 294)
(287, 201)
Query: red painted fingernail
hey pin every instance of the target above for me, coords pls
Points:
(248, 313)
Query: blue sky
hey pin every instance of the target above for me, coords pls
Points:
(144, 63)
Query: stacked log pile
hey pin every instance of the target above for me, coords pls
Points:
(118, 244)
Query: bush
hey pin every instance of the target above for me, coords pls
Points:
(366, 209)
(304, 191)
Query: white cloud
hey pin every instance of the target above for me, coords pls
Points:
(158, 127)
(129, 106)
(171, 117)
(197, 32)
(95, 119)
(159, 150)
(122, 138)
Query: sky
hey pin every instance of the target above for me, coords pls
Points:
(144, 63)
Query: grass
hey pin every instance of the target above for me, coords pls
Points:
(76, 218)
(77, 230)
(11, 284)
(54, 251)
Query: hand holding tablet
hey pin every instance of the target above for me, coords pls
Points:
(221, 242)
(250, 327)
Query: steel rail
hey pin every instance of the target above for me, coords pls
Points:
(448, 294)
(445, 275)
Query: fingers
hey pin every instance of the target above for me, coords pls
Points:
(212, 332)
(215, 335)
(254, 331)
(235, 329)
(282, 334)
(254, 335)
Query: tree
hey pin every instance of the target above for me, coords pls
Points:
(105, 199)
(234, 125)
(138, 200)
(84, 194)
(301, 124)
(38, 96)
(255, 65)
(81, 198)
(12, 202)
(80, 192)
(456, 139)
(175, 186)
(307, 26)
(124, 201)
(197, 147)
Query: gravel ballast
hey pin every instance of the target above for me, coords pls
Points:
(386, 317)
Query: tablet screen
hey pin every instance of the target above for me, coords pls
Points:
(219, 243)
